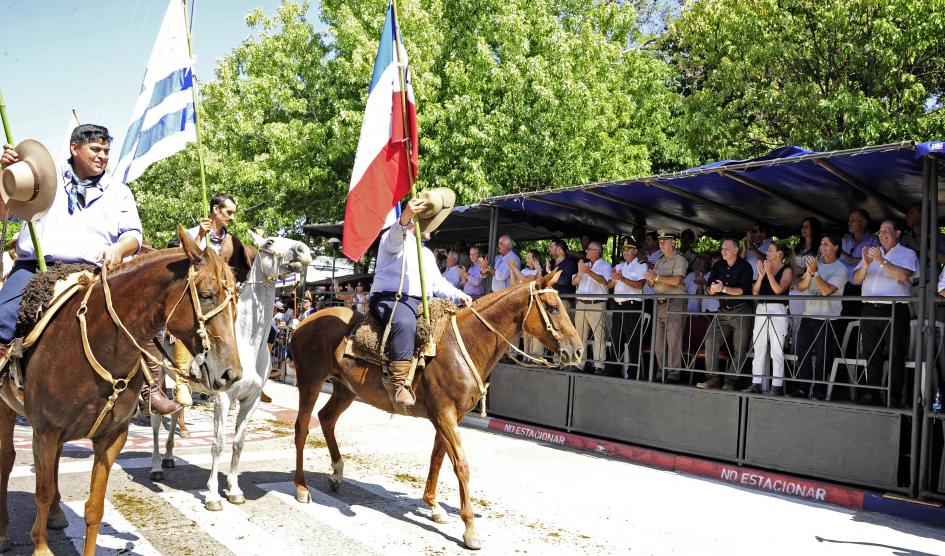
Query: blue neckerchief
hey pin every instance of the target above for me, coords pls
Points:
(77, 188)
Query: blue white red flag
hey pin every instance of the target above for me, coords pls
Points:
(163, 120)
(380, 177)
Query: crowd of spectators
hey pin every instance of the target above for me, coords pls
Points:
(614, 304)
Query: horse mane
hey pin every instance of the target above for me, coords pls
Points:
(216, 269)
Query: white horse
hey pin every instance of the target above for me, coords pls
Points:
(277, 257)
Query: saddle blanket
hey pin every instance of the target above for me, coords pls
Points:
(364, 338)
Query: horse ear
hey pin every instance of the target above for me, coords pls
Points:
(552, 278)
(226, 248)
(250, 252)
(193, 251)
(257, 238)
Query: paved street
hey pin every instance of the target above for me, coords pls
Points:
(529, 498)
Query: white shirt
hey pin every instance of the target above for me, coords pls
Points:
(694, 305)
(879, 283)
(501, 279)
(452, 276)
(588, 285)
(752, 258)
(633, 270)
(835, 274)
(652, 258)
(390, 252)
(529, 272)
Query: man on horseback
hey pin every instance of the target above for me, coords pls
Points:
(93, 219)
(396, 292)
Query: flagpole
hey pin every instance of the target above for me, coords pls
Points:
(203, 172)
(410, 176)
(37, 248)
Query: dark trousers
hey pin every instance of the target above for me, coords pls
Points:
(626, 330)
(403, 329)
(815, 338)
(737, 320)
(10, 296)
(876, 346)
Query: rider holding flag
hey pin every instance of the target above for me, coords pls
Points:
(398, 270)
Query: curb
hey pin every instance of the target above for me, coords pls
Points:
(756, 479)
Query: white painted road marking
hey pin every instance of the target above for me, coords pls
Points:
(116, 535)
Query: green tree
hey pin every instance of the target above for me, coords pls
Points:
(823, 74)
(512, 95)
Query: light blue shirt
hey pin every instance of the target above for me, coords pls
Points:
(452, 276)
(502, 277)
(109, 216)
(390, 259)
(879, 283)
(474, 279)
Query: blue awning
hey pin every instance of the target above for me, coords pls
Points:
(780, 189)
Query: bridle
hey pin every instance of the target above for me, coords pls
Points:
(270, 281)
(534, 300)
(119, 385)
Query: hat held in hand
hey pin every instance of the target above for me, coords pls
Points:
(29, 185)
(440, 202)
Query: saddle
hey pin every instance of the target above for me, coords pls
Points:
(364, 337)
(43, 297)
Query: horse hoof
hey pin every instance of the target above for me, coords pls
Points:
(5, 544)
(334, 484)
(472, 541)
(56, 521)
(213, 505)
(157, 476)
(236, 499)
(438, 517)
(303, 496)
(168, 463)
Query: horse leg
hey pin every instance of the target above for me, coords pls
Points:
(247, 407)
(340, 400)
(221, 406)
(157, 474)
(7, 458)
(308, 393)
(106, 452)
(437, 513)
(168, 461)
(57, 518)
(446, 425)
(45, 452)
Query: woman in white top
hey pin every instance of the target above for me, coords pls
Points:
(817, 333)
(774, 278)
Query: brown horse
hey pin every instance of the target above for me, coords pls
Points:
(188, 291)
(446, 389)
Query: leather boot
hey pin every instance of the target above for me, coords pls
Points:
(394, 379)
(153, 399)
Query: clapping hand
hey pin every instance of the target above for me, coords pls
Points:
(768, 268)
(761, 267)
(698, 278)
(615, 275)
(547, 266)
(582, 268)
(876, 254)
(649, 275)
(811, 264)
(483, 264)
(716, 287)
(865, 254)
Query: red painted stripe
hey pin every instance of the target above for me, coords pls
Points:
(742, 476)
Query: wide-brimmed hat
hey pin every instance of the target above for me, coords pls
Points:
(440, 202)
(666, 234)
(29, 185)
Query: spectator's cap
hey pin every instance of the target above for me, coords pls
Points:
(441, 201)
(29, 185)
(667, 234)
(629, 243)
(279, 305)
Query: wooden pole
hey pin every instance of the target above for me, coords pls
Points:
(37, 248)
(401, 71)
(193, 89)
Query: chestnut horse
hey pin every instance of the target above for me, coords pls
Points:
(89, 389)
(446, 389)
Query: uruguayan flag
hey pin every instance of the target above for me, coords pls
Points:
(163, 121)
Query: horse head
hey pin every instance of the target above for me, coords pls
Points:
(279, 256)
(204, 316)
(547, 320)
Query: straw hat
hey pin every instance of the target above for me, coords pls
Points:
(440, 202)
(29, 185)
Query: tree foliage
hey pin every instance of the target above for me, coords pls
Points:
(823, 74)
(512, 95)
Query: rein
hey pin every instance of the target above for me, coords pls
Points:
(119, 385)
(533, 294)
(270, 281)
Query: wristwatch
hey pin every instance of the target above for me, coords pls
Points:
(815, 274)
(882, 265)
